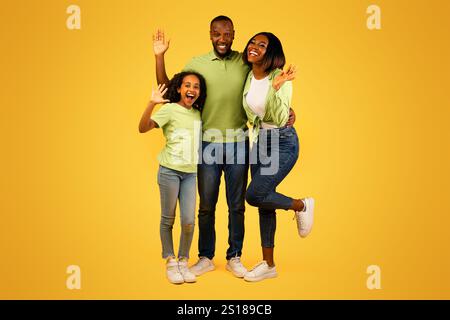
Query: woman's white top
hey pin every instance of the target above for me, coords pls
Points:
(256, 99)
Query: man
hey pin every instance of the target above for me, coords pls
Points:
(224, 137)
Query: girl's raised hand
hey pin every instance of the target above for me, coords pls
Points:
(158, 95)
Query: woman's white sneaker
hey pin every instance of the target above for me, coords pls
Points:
(260, 272)
(305, 218)
(188, 276)
(172, 271)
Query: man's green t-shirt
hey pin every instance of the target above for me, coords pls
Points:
(225, 79)
(182, 129)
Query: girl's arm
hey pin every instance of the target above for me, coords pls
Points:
(146, 123)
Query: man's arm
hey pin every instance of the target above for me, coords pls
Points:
(291, 120)
(160, 47)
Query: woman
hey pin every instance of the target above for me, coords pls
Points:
(267, 98)
(180, 121)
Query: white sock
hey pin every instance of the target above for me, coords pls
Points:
(304, 205)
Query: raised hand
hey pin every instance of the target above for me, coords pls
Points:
(158, 95)
(160, 45)
(284, 76)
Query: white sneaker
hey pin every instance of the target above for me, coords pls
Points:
(188, 276)
(203, 265)
(172, 271)
(235, 266)
(305, 219)
(260, 272)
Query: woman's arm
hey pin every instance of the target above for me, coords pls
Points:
(279, 104)
(283, 96)
(146, 123)
(284, 76)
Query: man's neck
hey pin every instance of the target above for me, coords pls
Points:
(224, 56)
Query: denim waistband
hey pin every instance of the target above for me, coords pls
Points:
(277, 130)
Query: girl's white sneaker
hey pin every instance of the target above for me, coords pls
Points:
(172, 271)
(188, 276)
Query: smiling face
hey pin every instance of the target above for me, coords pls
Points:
(222, 36)
(189, 90)
(257, 48)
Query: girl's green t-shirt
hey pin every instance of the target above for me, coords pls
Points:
(182, 130)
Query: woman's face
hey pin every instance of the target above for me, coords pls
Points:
(257, 49)
(189, 90)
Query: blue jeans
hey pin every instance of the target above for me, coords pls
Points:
(176, 185)
(232, 160)
(262, 192)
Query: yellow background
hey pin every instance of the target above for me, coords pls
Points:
(78, 183)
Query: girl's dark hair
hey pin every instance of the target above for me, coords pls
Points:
(274, 57)
(175, 83)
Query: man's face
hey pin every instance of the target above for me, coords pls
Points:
(222, 36)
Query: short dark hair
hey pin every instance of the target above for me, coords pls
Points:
(274, 57)
(176, 82)
(220, 18)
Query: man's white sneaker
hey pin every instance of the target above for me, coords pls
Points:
(305, 218)
(235, 266)
(188, 276)
(172, 271)
(203, 265)
(260, 272)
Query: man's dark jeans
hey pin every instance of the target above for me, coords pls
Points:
(232, 160)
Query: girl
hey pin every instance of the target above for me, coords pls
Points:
(267, 98)
(180, 120)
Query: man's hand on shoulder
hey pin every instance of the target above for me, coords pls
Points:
(291, 119)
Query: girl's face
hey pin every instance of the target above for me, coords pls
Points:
(189, 91)
(257, 49)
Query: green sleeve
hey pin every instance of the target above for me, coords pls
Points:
(279, 103)
(162, 116)
(251, 116)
